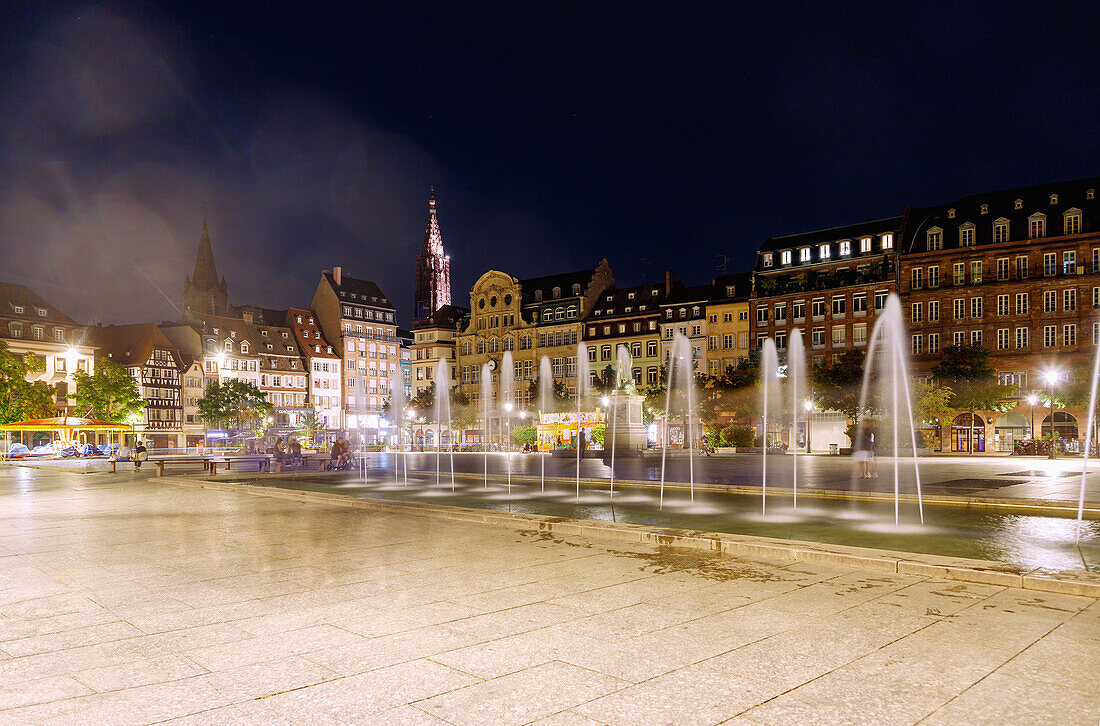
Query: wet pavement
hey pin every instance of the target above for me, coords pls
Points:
(128, 600)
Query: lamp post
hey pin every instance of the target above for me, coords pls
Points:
(1033, 399)
(1052, 378)
(809, 406)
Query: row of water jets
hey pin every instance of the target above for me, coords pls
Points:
(884, 392)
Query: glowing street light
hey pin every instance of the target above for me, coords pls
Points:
(1033, 399)
(605, 401)
(1052, 377)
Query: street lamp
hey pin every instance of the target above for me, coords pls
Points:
(809, 406)
(1052, 378)
(1033, 399)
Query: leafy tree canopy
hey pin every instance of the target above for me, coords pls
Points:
(233, 403)
(837, 385)
(21, 399)
(110, 394)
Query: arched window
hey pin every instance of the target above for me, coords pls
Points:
(525, 342)
(571, 312)
(557, 292)
(493, 345)
(509, 344)
(481, 346)
(466, 347)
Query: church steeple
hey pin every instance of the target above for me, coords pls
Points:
(203, 293)
(433, 268)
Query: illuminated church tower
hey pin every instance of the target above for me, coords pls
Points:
(203, 294)
(433, 269)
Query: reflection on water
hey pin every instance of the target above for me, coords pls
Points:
(1028, 540)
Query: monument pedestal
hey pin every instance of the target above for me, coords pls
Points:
(625, 424)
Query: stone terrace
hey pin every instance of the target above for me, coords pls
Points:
(130, 600)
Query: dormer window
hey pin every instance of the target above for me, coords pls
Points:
(1090, 194)
(966, 235)
(232, 334)
(1072, 221)
(229, 345)
(804, 254)
(864, 244)
(630, 296)
(557, 292)
(934, 239)
(19, 309)
(845, 247)
(823, 251)
(1018, 204)
(1037, 226)
(576, 289)
(888, 241)
(41, 312)
(985, 209)
(768, 259)
(695, 311)
(729, 290)
(244, 346)
(1000, 230)
(610, 298)
(538, 294)
(951, 213)
(1053, 199)
(263, 333)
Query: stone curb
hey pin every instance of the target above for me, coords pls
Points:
(1048, 507)
(906, 563)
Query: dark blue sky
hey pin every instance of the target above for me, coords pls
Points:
(554, 133)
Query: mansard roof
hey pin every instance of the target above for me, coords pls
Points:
(132, 345)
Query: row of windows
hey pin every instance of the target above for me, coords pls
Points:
(1007, 338)
(605, 351)
(839, 307)
(726, 342)
(1052, 265)
(838, 336)
(556, 292)
(825, 250)
(621, 328)
(728, 317)
(38, 332)
(696, 331)
(350, 312)
(1018, 304)
(279, 381)
(1036, 228)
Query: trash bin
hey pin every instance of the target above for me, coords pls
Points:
(834, 449)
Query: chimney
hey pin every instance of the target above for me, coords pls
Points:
(668, 281)
(336, 275)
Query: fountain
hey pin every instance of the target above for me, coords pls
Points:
(506, 399)
(681, 374)
(1088, 439)
(546, 393)
(796, 377)
(486, 397)
(886, 372)
(623, 364)
(769, 383)
(582, 391)
(443, 398)
(397, 415)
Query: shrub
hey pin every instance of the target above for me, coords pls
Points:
(734, 435)
(524, 435)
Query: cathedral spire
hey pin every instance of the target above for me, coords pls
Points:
(203, 292)
(433, 268)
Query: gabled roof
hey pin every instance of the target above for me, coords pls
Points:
(634, 297)
(132, 345)
(447, 317)
(360, 292)
(565, 281)
(741, 283)
(13, 295)
(1001, 206)
(309, 336)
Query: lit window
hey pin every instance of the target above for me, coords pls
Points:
(804, 254)
(768, 260)
(846, 247)
(864, 244)
(934, 239)
(785, 257)
(888, 241)
(1037, 224)
(823, 251)
(1072, 221)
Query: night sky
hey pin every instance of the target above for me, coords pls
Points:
(555, 133)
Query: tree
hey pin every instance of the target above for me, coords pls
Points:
(110, 394)
(838, 385)
(967, 372)
(21, 399)
(310, 426)
(522, 435)
(233, 403)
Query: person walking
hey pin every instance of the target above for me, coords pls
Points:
(140, 455)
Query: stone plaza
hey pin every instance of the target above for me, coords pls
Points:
(133, 599)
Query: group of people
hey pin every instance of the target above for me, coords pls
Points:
(291, 453)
